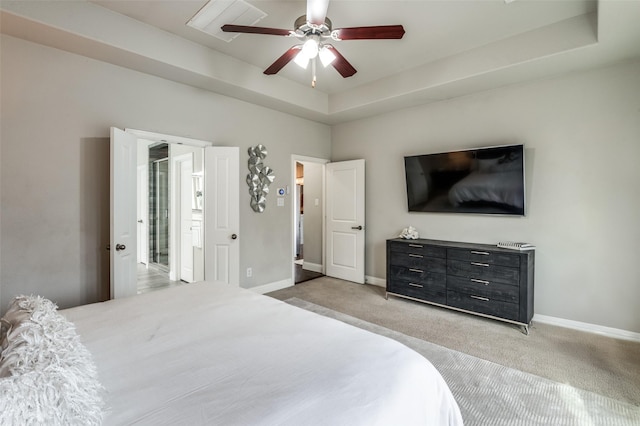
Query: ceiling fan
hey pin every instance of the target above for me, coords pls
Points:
(314, 30)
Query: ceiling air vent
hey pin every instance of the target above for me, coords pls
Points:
(216, 13)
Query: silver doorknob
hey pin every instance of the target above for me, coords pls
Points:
(120, 247)
(358, 228)
(234, 236)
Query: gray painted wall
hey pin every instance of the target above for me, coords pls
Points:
(57, 108)
(582, 138)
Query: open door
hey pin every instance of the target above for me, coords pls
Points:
(222, 214)
(123, 235)
(345, 220)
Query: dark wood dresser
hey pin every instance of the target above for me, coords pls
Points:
(481, 279)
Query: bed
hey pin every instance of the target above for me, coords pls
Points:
(213, 354)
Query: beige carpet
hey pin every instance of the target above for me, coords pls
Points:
(493, 395)
(599, 364)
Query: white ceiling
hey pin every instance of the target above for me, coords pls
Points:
(450, 48)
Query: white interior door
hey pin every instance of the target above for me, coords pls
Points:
(345, 220)
(123, 234)
(222, 214)
(142, 184)
(186, 236)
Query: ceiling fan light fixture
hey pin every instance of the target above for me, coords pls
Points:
(326, 56)
(301, 60)
(310, 48)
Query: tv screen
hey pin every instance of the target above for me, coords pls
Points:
(483, 180)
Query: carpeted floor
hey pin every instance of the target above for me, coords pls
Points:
(490, 394)
(587, 361)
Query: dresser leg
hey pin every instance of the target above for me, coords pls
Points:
(386, 296)
(525, 329)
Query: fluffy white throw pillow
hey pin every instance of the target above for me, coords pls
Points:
(50, 377)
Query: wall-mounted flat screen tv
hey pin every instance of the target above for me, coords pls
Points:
(482, 181)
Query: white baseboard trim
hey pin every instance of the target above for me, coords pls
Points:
(268, 288)
(616, 333)
(380, 282)
(315, 267)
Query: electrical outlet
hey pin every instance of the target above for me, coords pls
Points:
(249, 272)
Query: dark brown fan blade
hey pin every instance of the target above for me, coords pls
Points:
(370, 33)
(341, 64)
(283, 60)
(228, 28)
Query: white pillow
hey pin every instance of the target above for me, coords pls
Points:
(50, 377)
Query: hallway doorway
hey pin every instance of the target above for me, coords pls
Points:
(308, 205)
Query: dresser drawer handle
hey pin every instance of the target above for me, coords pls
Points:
(484, 299)
(486, 265)
(416, 270)
(415, 285)
(416, 255)
(415, 245)
(484, 253)
(475, 280)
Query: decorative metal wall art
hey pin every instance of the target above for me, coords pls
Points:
(259, 178)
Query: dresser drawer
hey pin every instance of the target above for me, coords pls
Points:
(418, 261)
(483, 271)
(434, 292)
(483, 305)
(484, 256)
(484, 288)
(418, 248)
(416, 275)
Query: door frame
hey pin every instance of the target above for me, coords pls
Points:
(154, 137)
(295, 158)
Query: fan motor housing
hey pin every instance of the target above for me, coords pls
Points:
(303, 28)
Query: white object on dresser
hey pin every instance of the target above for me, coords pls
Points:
(516, 245)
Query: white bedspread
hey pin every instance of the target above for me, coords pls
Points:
(212, 354)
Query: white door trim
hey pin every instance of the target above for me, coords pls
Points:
(291, 193)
